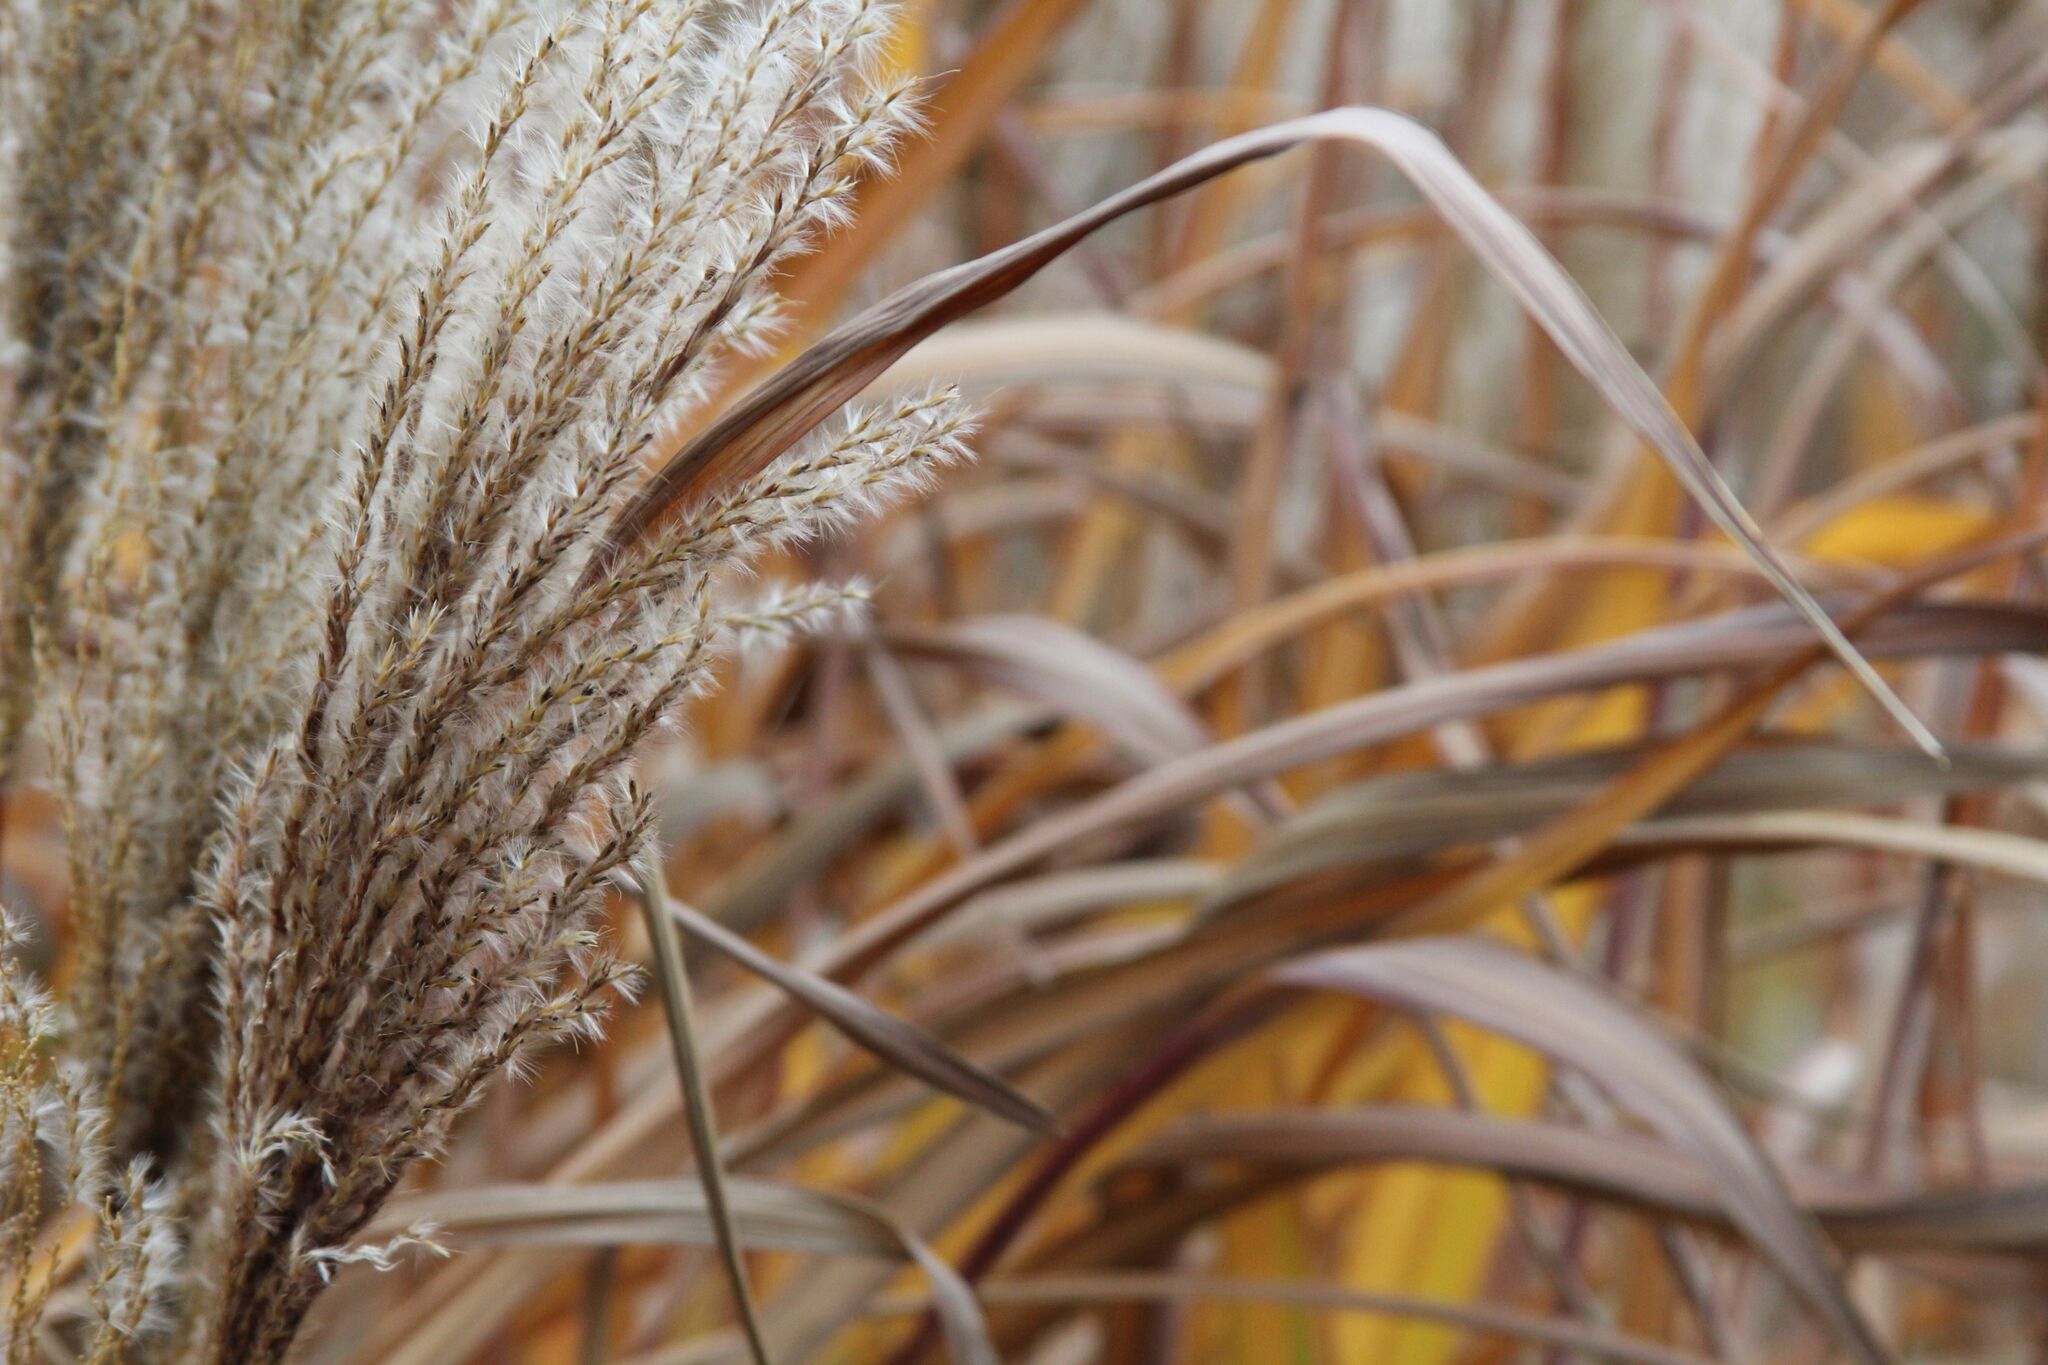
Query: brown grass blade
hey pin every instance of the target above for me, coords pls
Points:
(766, 879)
(1200, 662)
(673, 977)
(1055, 897)
(770, 1215)
(818, 383)
(896, 1041)
(958, 115)
(1989, 850)
(898, 697)
(1591, 1031)
(1069, 670)
(1737, 639)
(1411, 815)
(1629, 1168)
(1108, 1287)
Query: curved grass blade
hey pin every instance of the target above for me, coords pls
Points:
(1988, 850)
(1117, 1287)
(1737, 639)
(1079, 676)
(818, 383)
(1589, 1030)
(896, 1041)
(1629, 1168)
(768, 1215)
(1409, 815)
(674, 979)
(1070, 670)
(806, 846)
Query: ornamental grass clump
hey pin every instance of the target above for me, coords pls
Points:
(339, 332)
(1319, 845)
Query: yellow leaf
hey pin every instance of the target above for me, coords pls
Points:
(1898, 532)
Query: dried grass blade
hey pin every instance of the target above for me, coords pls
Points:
(898, 697)
(1228, 645)
(1415, 814)
(896, 1041)
(820, 381)
(1630, 1168)
(814, 837)
(1069, 670)
(772, 1216)
(1089, 348)
(674, 980)
(1585, 1028)
(1005, 56)
(1627, 1167)
(1055, 898)
(1112, 1287)
(1737, 639)
(1989, 850)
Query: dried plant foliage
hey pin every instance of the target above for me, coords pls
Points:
(1446, 789)
(328, 389)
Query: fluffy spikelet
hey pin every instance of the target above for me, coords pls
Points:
(322, 392)
(56, 1174)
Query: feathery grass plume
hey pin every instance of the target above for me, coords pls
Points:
(341, 332)
(58, 1180)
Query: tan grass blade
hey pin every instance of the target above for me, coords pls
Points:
(1080, 676)
(1006, 55)
(1109, 1287)
(1988, 850)
(771, 1216)
(1055, 897)
(674, 979)
(1411, 815)
(1737, 639)
(818, 383)
(1073, 348)
(765, 880)
(899, 1043)
(1071, 670)
(1228, 645)
(1589, 1030)
(1631, 1168)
